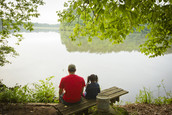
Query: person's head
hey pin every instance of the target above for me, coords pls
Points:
(92, 78)
(71, 68)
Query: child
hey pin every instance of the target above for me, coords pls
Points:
(92, 88)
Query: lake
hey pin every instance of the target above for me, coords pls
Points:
(44, 54)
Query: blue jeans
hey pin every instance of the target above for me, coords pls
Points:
(66, 103)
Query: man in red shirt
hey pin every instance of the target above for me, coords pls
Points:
(71, 87)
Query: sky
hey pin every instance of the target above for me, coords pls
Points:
(48, 11)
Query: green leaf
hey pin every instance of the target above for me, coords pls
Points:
(78, 10)
(75, 5)
(65, 4)
(102, 29)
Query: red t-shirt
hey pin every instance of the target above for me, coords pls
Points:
(73, 85)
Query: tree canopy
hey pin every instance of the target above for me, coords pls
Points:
(115, 19)
(15, 14)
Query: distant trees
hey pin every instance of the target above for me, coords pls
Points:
(114, 19)
(15, 14)
(45, 25)
(131, 43)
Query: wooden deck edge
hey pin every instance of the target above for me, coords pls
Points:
(31, 104)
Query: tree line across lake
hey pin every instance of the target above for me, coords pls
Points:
(38, 27)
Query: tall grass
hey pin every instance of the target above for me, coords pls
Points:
(146, 96)
(44, 91)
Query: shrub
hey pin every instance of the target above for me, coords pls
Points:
(44, 91)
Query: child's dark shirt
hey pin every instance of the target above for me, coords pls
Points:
(92, 90)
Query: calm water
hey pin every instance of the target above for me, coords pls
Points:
(45, 54)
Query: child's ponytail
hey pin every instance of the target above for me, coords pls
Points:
(96, 78)
(88, 79)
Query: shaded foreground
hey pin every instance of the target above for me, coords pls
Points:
(28, 109)
(148, 109)
(48, 109)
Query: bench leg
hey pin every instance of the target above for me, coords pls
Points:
(85, 111)
(114, 100)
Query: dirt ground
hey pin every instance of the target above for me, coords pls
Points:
(148, 109)
(27, 109)
(48, 109)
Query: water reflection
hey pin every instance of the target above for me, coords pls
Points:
(45, 54)
(131, 43)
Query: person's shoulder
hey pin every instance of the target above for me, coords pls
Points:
(65, 77)
(97, 84)
(79, 76)
(89, 84)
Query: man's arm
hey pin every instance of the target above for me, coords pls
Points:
(83, 87)
(60, 93)
(82, 91)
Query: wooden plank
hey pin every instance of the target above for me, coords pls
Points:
(67, 110)
(33, 104)
(110, 89)
(62, 106)
(41, 104)
(86, 103)
(79, 108)
(111, 92)
(118, 94)
(75, 109)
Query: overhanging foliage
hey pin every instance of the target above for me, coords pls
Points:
(114, 19)
(15, 14)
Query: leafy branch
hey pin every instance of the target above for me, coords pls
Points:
(114, 20)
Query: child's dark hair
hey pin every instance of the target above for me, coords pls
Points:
(92, 78)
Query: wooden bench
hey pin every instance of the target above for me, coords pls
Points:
(112, 93)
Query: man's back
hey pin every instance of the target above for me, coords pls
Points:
(73, 86)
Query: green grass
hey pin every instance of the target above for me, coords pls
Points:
(43, 91)
(146, 96)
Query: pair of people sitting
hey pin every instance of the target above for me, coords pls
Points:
(71, 87)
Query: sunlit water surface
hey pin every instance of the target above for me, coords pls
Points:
(42, 55)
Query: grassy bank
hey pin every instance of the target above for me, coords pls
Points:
(43, 92)
(22, 98)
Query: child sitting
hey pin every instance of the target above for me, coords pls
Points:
(92, 88)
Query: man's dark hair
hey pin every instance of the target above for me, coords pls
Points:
(71, 68)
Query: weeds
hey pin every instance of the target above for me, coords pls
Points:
(146, 96)
(15, 94)
(44, 91)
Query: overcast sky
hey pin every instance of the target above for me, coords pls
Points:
(48, 11)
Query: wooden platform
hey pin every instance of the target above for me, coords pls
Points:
(68, 110)
(112, 93)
